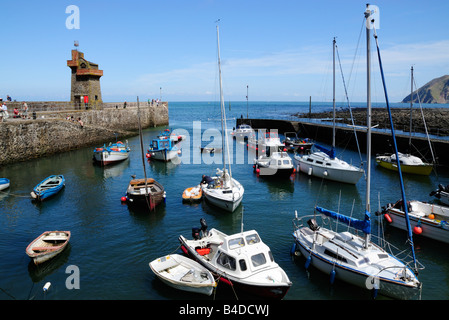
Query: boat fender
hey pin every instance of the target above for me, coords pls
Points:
(184, 250)
(293, 249)
(47, 286)
(309, 259)
(417, 229)
(325, 173)
(388, 218)
(332, 279)
(123, 199)
(310, 171)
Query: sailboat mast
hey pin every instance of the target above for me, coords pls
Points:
(368, 118)
(333, 92)
(223, 112)
(411, 106)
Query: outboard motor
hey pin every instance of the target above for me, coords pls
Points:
(196, 233)
(313, 225)
(203, 226)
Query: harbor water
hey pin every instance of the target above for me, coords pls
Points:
(112, 245)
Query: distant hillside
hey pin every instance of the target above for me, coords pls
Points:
(435, 91)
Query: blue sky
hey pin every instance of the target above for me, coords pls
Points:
(281, 49)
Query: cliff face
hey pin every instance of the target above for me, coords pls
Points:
(435, 91)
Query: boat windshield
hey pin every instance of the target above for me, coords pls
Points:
(252, 239)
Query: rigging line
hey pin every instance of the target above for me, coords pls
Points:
(356, 50)
(349, 105)
(424, 121)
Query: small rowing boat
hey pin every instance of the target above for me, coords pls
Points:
(48, 187)
(192, 194)
(47, 245)
(182, 273)
(4, 183)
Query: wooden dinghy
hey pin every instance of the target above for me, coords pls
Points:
(183, 273)
(48, 187)
(48, 245)
(136, 194)
(192, 194)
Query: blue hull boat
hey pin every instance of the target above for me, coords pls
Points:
(48, 187)
(4, 183)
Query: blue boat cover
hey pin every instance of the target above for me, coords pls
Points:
(330, 153)
(364, 225)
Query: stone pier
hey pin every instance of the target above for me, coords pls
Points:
(52, 133)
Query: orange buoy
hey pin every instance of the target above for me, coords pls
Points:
(388, 218)
(417, 230)
(431, 216)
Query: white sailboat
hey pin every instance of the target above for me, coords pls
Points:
(350, 257)
(322, 162)
(225, 192)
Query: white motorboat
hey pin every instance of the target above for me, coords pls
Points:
(278, 164)
(113, 153)
(243, 132)
(427, 219)
(266, 142)
(182, 273)
(241, 260)
(163, 150)
(325, 165)
(349, 256)
(226, 192)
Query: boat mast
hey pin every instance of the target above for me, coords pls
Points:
(368, 119)
(411, 105)
(143, 158)
(223, 114)
(401, 181)
(333, 89)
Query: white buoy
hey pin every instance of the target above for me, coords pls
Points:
(47, 286)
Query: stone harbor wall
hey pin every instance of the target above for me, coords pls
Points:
(51, 132)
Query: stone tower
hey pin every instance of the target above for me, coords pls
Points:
(85, 80)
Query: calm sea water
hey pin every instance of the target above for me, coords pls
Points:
(111, 245)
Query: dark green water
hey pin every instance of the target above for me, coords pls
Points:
(112, 245)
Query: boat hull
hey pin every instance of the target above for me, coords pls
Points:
(193, 194)
(41, 194)
(110, 157)
(424, 169)
(137, 197)
(40, 256)
(350, 176)
(4, 183)
(184, 274)
(164, 155)
(430, 228)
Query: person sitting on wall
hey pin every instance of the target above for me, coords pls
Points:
(16, 113)
(80, 122)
